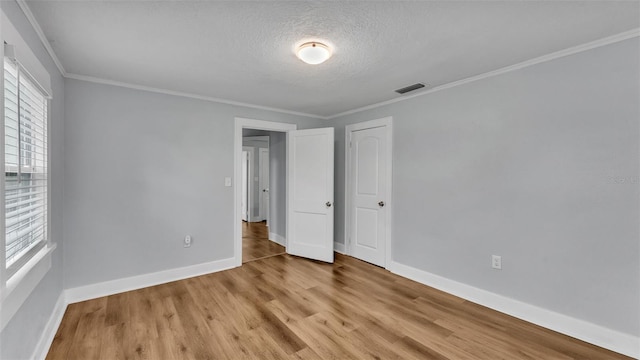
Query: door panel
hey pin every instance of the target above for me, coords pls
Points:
(368, 190)
(366, 235)
(264, 184)
(310, 204)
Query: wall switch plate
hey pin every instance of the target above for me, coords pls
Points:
(187, 241)
(227, 181)
(496, 262)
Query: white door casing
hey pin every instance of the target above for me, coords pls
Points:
(249, 184)
(368, 191)
(245, 185)
(310, 206)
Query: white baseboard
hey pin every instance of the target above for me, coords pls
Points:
(106, 288)
(50, 329)
(609, 339)
(278, 239)
(339, 247)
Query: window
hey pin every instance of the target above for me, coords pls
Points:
(25, 246)
(25, 162)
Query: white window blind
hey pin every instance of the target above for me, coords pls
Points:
(25, 159)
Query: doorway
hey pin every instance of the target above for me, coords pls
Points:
(257, 231)
(309, 193)
(368, 159)
(272, 237)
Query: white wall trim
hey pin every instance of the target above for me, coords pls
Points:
(243, 123)
(279, 239)
(555, 55)
(50, 329)
(186, 95)
(595, 334)
(541, 59)
(339, 248)
(251, 154)
(111, 287)
(43, 38)
(20, 286)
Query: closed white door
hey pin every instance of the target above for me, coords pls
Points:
(368, 194)
(264, 184)
(310, 193)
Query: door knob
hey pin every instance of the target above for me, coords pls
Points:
(381, 203)
(328, 204)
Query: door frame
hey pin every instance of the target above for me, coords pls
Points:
(249, 189)
(349, 129)
(239, 124)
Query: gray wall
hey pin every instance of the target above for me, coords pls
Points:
(277, 183)
(143, 170)
(538, 165)
(19, 337)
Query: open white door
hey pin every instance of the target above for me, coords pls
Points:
(310, 193)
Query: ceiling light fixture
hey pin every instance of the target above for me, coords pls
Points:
(313, 52)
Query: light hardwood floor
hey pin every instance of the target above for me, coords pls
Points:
(284, 307)
(256, 243)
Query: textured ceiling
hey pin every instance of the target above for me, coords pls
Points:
(243, 51)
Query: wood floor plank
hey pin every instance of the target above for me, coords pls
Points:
(414, 349)
(305, 354)
(63, 340)
(256, 243)
(87, 340)
(285, 307)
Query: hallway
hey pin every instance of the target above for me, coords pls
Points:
(256, 244)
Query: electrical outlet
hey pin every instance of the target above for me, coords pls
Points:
(496, 262)
(187, 241)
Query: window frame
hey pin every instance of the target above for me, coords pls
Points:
(16, 288)
(23, 78)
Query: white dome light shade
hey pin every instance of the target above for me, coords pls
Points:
(313, 53)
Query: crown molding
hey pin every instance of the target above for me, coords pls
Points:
(541, 59)
(43, 39)
(187, 95)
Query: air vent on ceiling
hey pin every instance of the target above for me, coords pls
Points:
(405, 90)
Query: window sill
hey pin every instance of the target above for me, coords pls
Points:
(22, 283)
